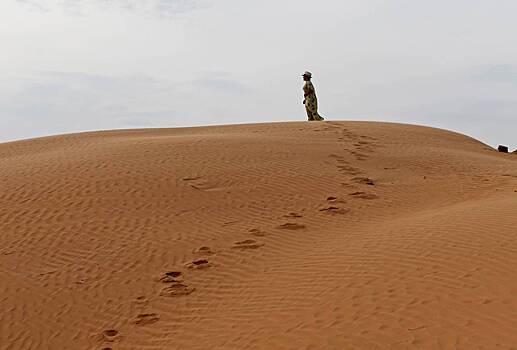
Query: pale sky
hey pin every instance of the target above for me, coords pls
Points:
(80, 65)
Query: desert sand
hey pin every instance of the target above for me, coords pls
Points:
(331, 235)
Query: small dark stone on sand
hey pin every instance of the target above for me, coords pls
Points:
(503, 149)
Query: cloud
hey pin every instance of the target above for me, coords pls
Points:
(221, 82)
(52, 102)
(172, 7)
(497, 73)
(34, 5)
(160, 8)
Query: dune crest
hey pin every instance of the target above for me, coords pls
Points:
(332, 235)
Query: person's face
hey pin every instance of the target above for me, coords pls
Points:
(306, 78)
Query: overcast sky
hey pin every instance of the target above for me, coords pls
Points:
(77, 65)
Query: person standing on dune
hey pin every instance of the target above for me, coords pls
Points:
(310, 101)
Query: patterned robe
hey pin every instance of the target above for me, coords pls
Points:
(311, 102)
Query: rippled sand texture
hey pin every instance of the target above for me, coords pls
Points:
(332, 235)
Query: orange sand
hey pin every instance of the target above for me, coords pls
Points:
(333, 235)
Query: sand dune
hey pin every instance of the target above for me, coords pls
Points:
(334, 235)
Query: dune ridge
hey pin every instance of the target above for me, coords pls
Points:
(332, 235)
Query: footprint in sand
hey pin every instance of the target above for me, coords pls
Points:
(363, 195)
(293, 215)
(140, 302)
(336, 200)
(363, 180)
(368, 138)
(204, 250)
(291, 226)
(191, 178)
(358, 154)
(198, 183)
(247, 244)
(349, 169)
(257, 232)
(110, 335)
(334, 210)
(171, 277)
(339, 159)
(204, 186)
(198, 264)
(176, 290)
(146, 319)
